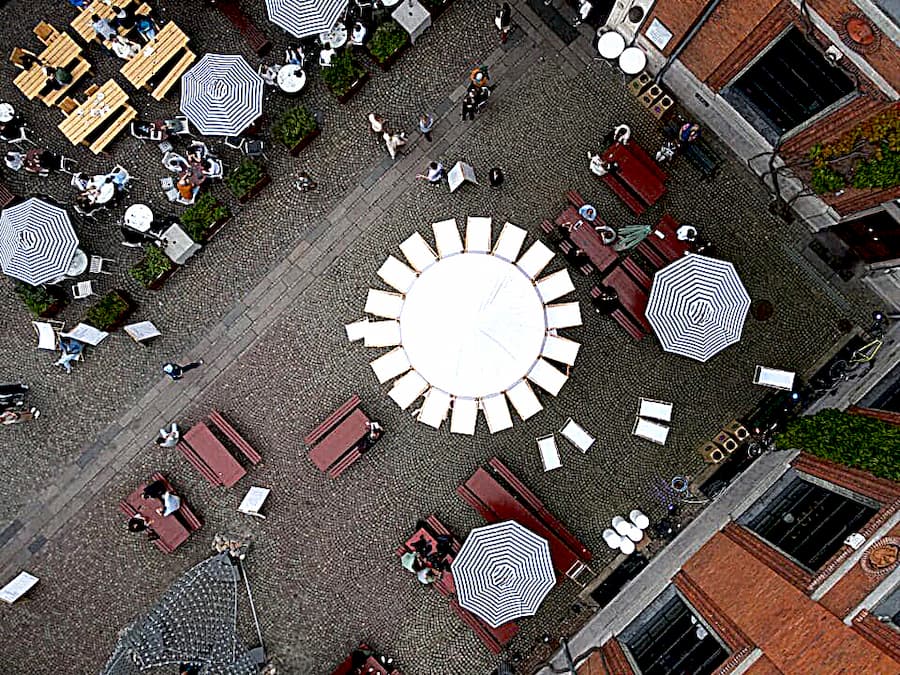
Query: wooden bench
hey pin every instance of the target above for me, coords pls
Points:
(215, 462)
(631, 327)
(113, 130)
(6, 197)
(257, 40)
(575, 199)
(699, 153)
(493, 638)
(172, 530)
(632, 296)
(623, 193)
(637, 273)
(341, 439)
(174, 75)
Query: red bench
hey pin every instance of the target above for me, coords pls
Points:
(498, 495)
(172, 530)
(632, 296)
(257, 40)
(623, 193)
(631, 327)
(634, 270)
(493, 638)
(371, 665)
(210, 456)
(340, 440)
(6, 196)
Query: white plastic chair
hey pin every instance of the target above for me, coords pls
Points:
(509, 243)
(48, 333)
(576, 435)
(83, 289)
(253, 501)
(773, 377)
(174, 162)
(407, 389)
(216, 168)
(356, 330)
(652, 431)
(18, 587)
(655, 410)
(612, 538)
(639, 520)
(549, 452)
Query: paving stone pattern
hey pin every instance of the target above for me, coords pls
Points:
(265, 305)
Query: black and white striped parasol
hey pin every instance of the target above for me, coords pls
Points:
(302, 18)
(697, 306)
(37, 241)
(221, 95)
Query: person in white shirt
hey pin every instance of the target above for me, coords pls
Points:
(168, 437)
(434, 174)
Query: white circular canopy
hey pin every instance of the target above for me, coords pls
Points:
(472, 325)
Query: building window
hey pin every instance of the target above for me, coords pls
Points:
(806, 521)
(789, 84)
(669, 637)
(888, 609)
(891, 8)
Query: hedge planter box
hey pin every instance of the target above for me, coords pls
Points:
(202, 220)
(153, 271)
(387, 44)
(248, 180)
(111, 312)
(43, 303)
(345, 77)
(303, 142)
(295, 129)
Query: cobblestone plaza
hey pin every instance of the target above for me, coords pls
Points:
(265, 306)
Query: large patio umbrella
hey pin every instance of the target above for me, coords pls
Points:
(697, 306)
(302, 18)
(222, 95)
(37, 241)
(502, 572)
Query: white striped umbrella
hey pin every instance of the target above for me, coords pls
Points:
(37, 241)
(502, 572)
(697, 306)
(302, 18)
(222, 95)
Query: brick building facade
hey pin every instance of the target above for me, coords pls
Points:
(783, 76)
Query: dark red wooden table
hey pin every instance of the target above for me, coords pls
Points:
(169, 528)
(340, 440)
(641, 179)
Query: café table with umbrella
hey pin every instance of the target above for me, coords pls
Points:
(37, 241)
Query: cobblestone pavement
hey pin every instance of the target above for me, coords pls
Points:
(265, 307)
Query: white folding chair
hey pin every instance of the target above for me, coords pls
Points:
(773, 377)
(496, 412)
(576, 435)
(522, 397)
(390, 365)
(549, 452)
(48, 333)
(96, 264)
(563, 315)
(407, 389)
(356, 330)
(560, 349)
(253, 501)
(555, 285)
(396, 274)
(652, 431)
(18, 587)
(535, 259)
(174, 162)
(547, 377)
(83, 289)
(435, 409)
(464, 417)
(384, 304)
(478, 234)
(509, 243)
(655, 410)
(446, 237)
(417, 251)
(382, 334)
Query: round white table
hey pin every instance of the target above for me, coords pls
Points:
(335, 38)
(79, 264)
(632, 61)
(472, 325)
(7, 112)
(139, 217)
(291, 79)
(611, 45)
(105, 191)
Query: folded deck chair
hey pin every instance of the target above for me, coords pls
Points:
(577, 435)
(652, 431)
(549, 452)
(772, 377)
(48, 333)
(655, 410)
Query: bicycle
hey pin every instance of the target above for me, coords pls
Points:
(843, 369)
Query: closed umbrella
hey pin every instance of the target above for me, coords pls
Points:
(697, 306)
(222, 95)
(37, 241)
(502, 572)
(302, 18)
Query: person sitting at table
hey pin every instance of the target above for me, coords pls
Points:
(80, 4)
(269, 74)
(123, 18)
(423, 573)
(294, 56)
(12, 129)
(14, 160)
(186, 190)
(422, 546)
(57, 78)
(607, 301)
(158, 490)
(588, 212)
(168, 437)
(146, 28)
(123, 48)
(102, 28)
(138, 523)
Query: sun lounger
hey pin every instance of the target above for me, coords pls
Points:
(652, 431)
(563, 315)
(383, 303)
(382, 334)
(18, 587)
(655, 410)
(478, 234)
(523, 399)
(561, 350)
(356, 330)
(417, 251)
(535, 259)
(496, 412)
(407, 389)
(446, 238)
(509, 243)
(555, 285)
(464, 417)
(253, 501)
(549, 452)
(435, 408)
(577, 435)
(390, 365)
(547, 377)
(772, 377)
(47, 333)
(396, 274)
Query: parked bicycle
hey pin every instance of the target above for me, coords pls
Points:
(851, 367)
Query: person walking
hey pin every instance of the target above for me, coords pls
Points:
(496, 177)
(394, 142)
(176, 372)
(469, 105)
(376, 123)
(503, 21)
(305, 183)
(426, 124)
(434, 174)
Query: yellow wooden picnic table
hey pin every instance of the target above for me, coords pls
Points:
(106, 111)
(149, 62)
(103, 9)
(61, 52)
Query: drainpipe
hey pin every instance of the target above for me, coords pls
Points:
(710, 8)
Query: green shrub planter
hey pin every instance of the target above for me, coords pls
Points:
(247, 180)
(388, 43)
(43, 303)
(296, 129)
(111, 312)
(345, 77)
(153, 271)
(204, 218)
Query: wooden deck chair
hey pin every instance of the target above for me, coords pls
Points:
(391, 365)
(555, 286)
(478, 234)
(549, 452)
(772, 377)
(382, 334)
(417, 251)
(384, 304)
(509, 243)
(496, 412)
(655, 410)
(547, 377)
(535, 259)
(522, 397)
(464, 417)
(435, 408)
(396, 274)
(45, 32)
(446, 237)
(48, 333)
(652, 431)
(576, 435)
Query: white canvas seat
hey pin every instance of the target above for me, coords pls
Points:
(356, 330)
(652, 431)
(535, 259)
(407, 389)
(549, 452)
(465, 414)
(83, 289)
(576, 435)
(563, 315)
(547, 377)
(48, 333)
(435, 409)
(478, 234)
(496, 413)
(86, 334)
(560, 349)
(555, 285)
(396, 274)
(510, 241)
(390, 365)
(446, 237)
(18, 587)
(384, 303)
(524, 400)
(773, 377)
(417, 251)
(142, 331)
(253, 501)
(655, 410)
(382, 334)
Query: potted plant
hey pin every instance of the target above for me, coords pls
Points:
(296, 128)
(345, 76)
(154, 269)
(110, 312)
(388, 42)
(247, 180)
(204, 218)
(43, 303)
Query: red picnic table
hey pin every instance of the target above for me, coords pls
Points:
(632, 296)
(171, 530)
(585, 237)
(210, 456)
(637, 173)
(341, 439)
(664, 241)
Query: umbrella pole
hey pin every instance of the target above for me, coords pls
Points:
(252, 606)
